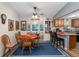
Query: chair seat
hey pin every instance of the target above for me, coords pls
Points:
(26, 43)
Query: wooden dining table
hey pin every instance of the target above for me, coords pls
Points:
(28, 40)
(31, 37)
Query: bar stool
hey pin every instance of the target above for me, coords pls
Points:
(52, 40)
(57, 39)
(62, 42)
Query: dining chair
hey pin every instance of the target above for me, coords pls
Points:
(52, 40)
(41, 37)
(58, 41)
(62, 43)
(17, 38)
(26, 43)
(6, 43)
(36, 41)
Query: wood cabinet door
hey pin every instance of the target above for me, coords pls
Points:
(75, 23)
(62, 22)
(58, 22)
(72, 41)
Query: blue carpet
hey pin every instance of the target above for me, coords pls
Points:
(42, 49)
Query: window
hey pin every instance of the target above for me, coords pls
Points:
(34, 27)
(41, 27)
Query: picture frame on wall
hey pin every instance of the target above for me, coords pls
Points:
(47, 26)
(23, 25)
(10, 25)
(17, 25)
(3, 18)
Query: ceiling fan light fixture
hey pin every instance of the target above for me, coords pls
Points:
(35, 17)
(35, 14)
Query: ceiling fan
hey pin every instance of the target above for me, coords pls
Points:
(36, 14)
(37, 11)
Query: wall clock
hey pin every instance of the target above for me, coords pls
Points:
(3, 18)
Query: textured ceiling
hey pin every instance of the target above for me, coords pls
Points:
(25, 9)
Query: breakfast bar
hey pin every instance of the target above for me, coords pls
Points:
(70, 40)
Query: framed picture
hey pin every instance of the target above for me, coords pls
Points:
(3, 18)
(17, 25)
(48, 23)
(23, 25)
(10, 25)
(47, 27)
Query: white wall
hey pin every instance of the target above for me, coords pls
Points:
(11, 14)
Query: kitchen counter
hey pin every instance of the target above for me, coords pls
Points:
(66, 33)
(69, 38)
(69, 33)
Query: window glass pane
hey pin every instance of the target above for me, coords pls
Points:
(41, 27)
(34, 27)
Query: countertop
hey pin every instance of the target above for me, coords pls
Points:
(66, 33)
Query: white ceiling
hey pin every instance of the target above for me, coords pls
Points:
(25, 9)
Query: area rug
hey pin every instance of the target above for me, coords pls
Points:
(44, 49)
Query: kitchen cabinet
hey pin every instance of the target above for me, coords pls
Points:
(58, 22)
(72, 41)
(75, 23)
(77, 37)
